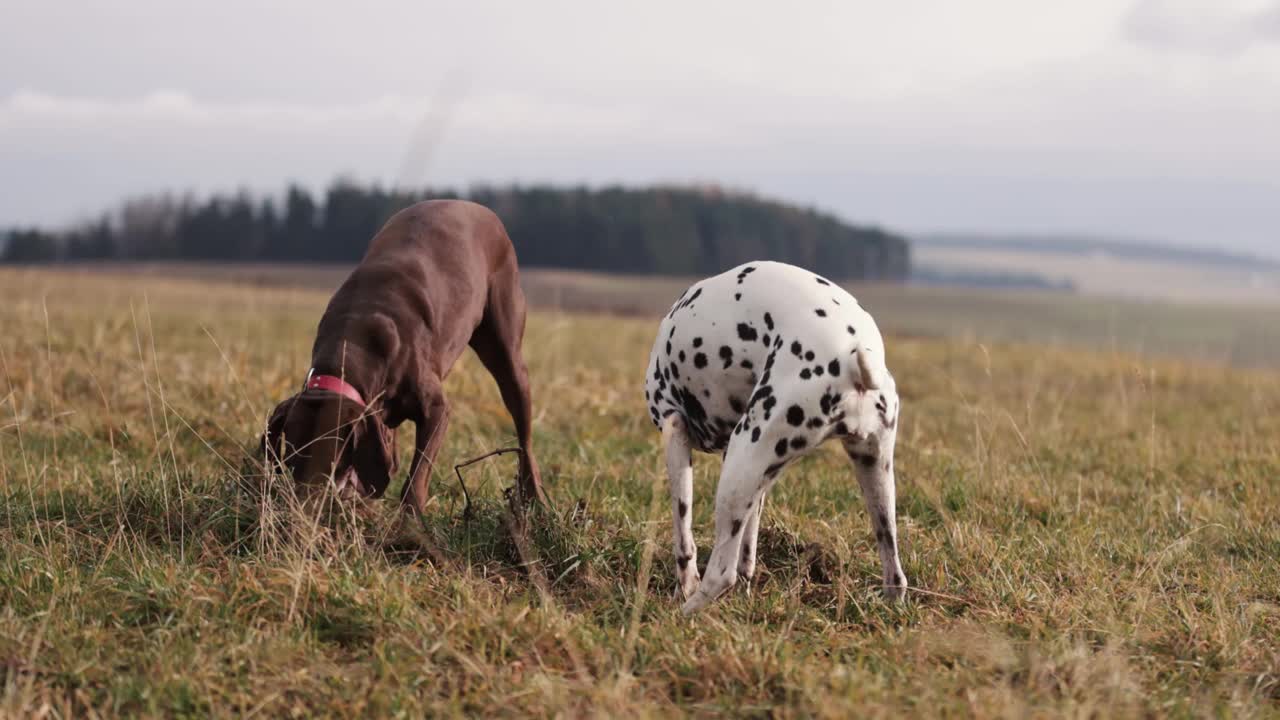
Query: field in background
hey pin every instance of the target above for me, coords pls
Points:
(1167, 278)
(1090, 533)
(1237, 335)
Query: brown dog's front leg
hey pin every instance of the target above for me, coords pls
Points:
(429, 432)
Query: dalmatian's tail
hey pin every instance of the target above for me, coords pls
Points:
(870, 369)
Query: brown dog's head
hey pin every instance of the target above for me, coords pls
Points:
(318, 435)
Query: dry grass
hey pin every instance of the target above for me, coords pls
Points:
(1092, 535)
(1242, 335)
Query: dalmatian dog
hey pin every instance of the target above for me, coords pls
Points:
(764, 363)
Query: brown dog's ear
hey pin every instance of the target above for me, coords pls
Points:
(374, 457)
(272, 448)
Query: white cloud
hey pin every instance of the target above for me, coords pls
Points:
(1216, 27)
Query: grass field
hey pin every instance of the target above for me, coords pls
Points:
(1091, 534)
(1241, 335)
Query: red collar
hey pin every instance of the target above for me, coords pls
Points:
(333, 384)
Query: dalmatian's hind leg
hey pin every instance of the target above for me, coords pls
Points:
(875, 475)
(679, 458)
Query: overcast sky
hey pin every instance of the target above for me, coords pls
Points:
(1156, 119)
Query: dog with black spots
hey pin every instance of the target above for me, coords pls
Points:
(822, 375)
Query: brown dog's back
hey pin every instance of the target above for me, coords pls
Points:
(431, 263)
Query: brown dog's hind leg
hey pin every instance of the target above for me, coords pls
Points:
(497, 341)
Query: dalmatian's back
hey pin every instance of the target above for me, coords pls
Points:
(732, 343)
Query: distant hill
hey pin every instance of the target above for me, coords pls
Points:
(664, 230)
(1088, 246)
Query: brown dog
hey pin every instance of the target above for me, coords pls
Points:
(439, 276)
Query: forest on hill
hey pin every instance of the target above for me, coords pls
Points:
(657, 230)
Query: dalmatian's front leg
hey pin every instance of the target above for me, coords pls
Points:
(743, 481)
(751, 542)
(675, 441)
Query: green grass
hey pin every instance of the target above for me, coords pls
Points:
(1092, 534)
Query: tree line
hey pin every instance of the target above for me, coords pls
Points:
(659, 230)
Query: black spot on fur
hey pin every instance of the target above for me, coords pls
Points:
(809, 356)
(833, 367)
(737, 528)
(773, 470)
(821, 312)
(805, 374)
(798, 442)
(814, 423)
(700, 360)
(693, 409)
(867, 460)
(684, 509)
(851, 330)
(762, 392)
(841, 428)
(820, 280)
(755, 435)
(795, 415)
(675, 371)
(781, 448)
(683, 561)
(746, 332)
(746, 365)
(768, 404)
(768, 321)
(765, 340)
(817, 370)
(796, 348)
(668, 348)
(726, 354)
(681, 356)
(697, 342)
(736, 404)
(737, 296)
(685, 302)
